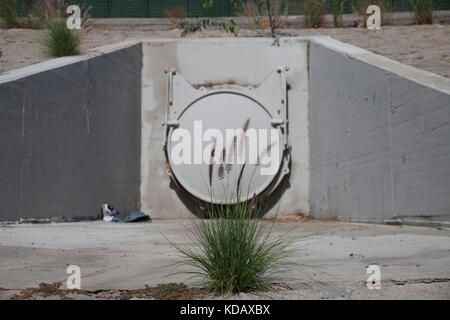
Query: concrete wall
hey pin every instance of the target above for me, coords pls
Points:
(370, 137)
(199, 61)
(70, 136)
(379, 137)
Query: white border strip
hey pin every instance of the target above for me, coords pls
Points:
(422, 77)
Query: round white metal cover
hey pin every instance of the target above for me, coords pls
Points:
(218, 183)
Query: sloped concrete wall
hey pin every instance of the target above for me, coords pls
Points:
(379, 137)
(70, 136)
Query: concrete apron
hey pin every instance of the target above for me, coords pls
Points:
(127, 256)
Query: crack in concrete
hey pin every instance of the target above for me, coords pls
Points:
(414, 281)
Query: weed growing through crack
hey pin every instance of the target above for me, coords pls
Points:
(234, 251)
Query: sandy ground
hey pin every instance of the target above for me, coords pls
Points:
(131, 260)
(425, 47)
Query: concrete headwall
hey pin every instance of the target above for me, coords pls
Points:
(379, 137)
(200, 61)
(70, 136)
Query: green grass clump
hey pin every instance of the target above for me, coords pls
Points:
(338, 12)
(61, 41)
(9, 13)
(31, 14)
(314, 13)
(423, 11)
(234, 251)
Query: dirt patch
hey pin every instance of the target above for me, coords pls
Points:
(170, 291)
(288, 218)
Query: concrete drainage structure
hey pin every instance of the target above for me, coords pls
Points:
(367, 138)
